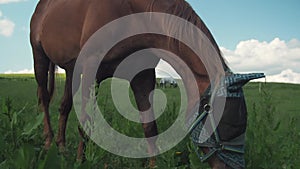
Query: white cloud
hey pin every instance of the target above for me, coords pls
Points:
(24, 71)
(278, 59)
(6, 26)
(30, 71)
(60, 70)
(268, 57)
(164, 69)
(286, 76)
(294, 43)
(9, 1)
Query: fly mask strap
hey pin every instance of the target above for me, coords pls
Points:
(229, 87)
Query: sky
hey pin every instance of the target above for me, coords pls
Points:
(254, 35)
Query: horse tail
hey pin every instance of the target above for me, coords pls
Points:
(51, 82)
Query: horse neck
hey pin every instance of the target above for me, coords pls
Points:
(200, 24)
(178, 8)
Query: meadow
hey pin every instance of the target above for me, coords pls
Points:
(272, 137)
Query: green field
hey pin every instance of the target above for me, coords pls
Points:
(272, 141)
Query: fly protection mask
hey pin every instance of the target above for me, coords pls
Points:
(228, 140)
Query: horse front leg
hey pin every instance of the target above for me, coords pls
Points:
(88, 101)
(142, 85)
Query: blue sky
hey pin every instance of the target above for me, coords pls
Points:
(236, 20)
(267, 23)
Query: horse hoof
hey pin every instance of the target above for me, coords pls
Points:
(80, 152)
(79, 160)
(47, 144)
(152, 163)
(62, 149)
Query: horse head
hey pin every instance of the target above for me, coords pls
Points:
(228, 137)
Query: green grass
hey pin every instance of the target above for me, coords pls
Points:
(272, 134)
(284, 99)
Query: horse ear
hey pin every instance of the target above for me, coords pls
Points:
(233, 84)
(235, 81)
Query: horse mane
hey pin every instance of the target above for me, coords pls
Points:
(183, 9)
(190, 15)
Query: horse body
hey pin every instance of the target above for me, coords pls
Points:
(60, 29)
(77, 19)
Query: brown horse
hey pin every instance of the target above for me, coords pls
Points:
(60, 29)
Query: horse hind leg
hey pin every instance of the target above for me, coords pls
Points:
(41, 67)
(142, 85)
(65, 108)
